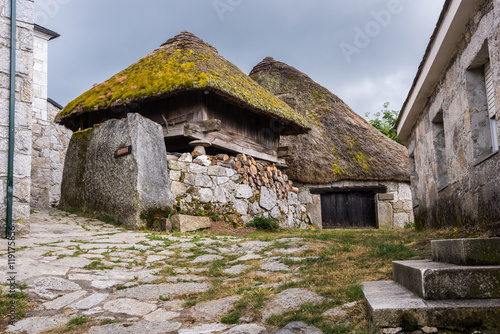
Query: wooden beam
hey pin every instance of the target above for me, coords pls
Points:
(223, 139)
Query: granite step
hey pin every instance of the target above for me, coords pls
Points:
(467, 252)
(441, 281)
(391, 305)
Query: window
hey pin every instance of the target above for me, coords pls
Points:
(440, 150)
(490, 96)
(481, 100)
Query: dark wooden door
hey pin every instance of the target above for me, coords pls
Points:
(348, 210)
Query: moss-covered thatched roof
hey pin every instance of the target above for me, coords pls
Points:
(341, 144)
(183, 63)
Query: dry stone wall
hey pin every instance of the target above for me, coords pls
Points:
(235, 189)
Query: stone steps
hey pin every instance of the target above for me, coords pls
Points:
(440, 281)
(467, 252)
(459, 290)
(391, 305)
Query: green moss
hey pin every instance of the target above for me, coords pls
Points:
(149, 216)
(169, 69)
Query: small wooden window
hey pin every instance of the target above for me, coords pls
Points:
(490, 96)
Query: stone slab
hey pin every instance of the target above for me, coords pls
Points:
(289, 300)
(439, 281)
(141, 327)
(38, 324)
(467, 252)
(391, 305)
(184, 223)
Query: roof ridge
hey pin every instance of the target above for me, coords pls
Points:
(187, 36)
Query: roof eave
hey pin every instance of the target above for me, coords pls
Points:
(47, 33)
(442, 47)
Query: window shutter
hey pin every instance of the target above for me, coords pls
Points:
(490, 90)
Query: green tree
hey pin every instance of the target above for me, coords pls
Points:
(385, 121)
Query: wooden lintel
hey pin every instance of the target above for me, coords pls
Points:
(236, 143)
(223, 139)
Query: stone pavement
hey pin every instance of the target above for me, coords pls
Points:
(134, 282)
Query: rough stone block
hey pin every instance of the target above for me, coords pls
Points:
(122, 188)
(386, 197)
(177, 165)
(391, 305)
(184, 223)
(268, 198)
(467, 252)
(401, 219)
(440, 281)
(385, 215)
(305, 197)
(244, 191)
(314, 211)
(178, 188)
(205, 195)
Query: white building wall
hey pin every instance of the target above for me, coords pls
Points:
(50, 140)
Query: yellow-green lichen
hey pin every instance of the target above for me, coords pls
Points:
(170, 69)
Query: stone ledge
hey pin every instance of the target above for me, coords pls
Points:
(440, 281)
(391, 305)
(467, 252)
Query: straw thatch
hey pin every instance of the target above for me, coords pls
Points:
(183, 63)
(341, 145)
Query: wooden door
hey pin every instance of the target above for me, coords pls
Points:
(348, 210)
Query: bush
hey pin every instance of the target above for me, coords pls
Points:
(265, 224)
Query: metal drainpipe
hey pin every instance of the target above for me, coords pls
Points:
(12, 113)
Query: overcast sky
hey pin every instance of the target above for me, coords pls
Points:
(365, 51)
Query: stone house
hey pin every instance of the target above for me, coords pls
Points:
(197, 96)
(199, 101)
(449, 121)
(356, 175)
(38, 143)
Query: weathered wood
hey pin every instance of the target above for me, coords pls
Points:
(284, 152)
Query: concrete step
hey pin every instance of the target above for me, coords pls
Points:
(440, 281)
(467, 252)
(390, 305)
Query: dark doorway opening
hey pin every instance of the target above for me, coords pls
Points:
(354, 209)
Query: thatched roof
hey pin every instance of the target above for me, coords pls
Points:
(183, 63)
(341, 144)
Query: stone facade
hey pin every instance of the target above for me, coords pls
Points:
(23, 118)
(393, 209)
(204, 185)
(50, 140)
(453, 144)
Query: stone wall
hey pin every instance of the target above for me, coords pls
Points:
(456, 180)
(24, 76)
(234, 191)
(50, 140)
(393, 208)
